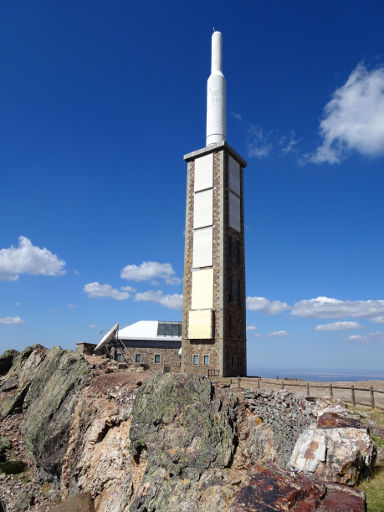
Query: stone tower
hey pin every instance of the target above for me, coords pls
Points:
(214, 333)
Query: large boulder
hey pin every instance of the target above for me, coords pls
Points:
(180, 429)
(6, 360)
(337, 449)
(48, 407)
(270, 489)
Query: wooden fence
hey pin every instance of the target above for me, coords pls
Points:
(367, 396)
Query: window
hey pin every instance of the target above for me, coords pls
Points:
(117, 356)
(138, 358)
(229, 240)
(238, 292)
(157, 358)
(238, 360)
(232, 359)
(238, 252)
(195, 360)
(206, 360)
(230, 289)
(169, 329)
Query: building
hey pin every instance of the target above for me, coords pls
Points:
(214, 312)
(154, 344)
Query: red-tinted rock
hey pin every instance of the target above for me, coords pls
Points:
(333, 420)
(273, 490)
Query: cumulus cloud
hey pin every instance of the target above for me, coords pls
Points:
(96, 290)
(28, 259)
(150, 270)
(171, 301)
(266, 306)
(326, 307)
(128, 289)
(251, 327)
(275, 334)
(367, 338)
(260, 144)
(377, 319)
(353, 119)
(338, 326)
(11, 320)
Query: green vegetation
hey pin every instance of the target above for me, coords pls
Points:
(374, 491)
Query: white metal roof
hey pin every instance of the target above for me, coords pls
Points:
(107, 337)
(143, 330)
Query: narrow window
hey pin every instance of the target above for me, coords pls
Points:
(195, 359)
(232, 360)
(206, 360)
(230, 289)
(118, 357)
(138, 358)
(238, 360)
(229, 240)
(238, 252)
(238, 292)
(157, 358)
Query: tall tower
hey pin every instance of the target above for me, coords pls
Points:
(214, 333)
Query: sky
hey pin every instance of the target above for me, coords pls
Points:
(99, 101)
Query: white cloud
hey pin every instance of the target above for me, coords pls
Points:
(292, 142)
(367, 338)
(251, 327)
(266, 306)
(338, 326)
(275, 334)
(377, 319)
(17, 303)
(353, 119)
(92, 326)
(75, 271)
(325, 307)
(172, 301)
(11, 320)
(236, 116)
(28, 259)
(128, 289)
(71, 306)
(259, 144)
(96, 290)
(150, 270)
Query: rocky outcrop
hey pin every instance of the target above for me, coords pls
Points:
(273, 490)
(48, 407)
(114, 441)
(337, 449)
(6, 360)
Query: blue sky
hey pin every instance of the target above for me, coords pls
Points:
(98, 104)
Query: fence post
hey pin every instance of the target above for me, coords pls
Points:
(330, 391)
(372, 397)
(238, 382)
(282, 384)
(353, 394)
(258, 383)
(307, 388)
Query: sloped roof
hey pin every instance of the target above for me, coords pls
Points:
(144, 330)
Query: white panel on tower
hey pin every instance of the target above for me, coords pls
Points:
(204, 172)
(234, 212)
(200, 325)
(202, 289)
(203, 209)
(234, 175)
(202, 248)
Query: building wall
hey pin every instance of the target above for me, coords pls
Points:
(168, 356)
(227, 347)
